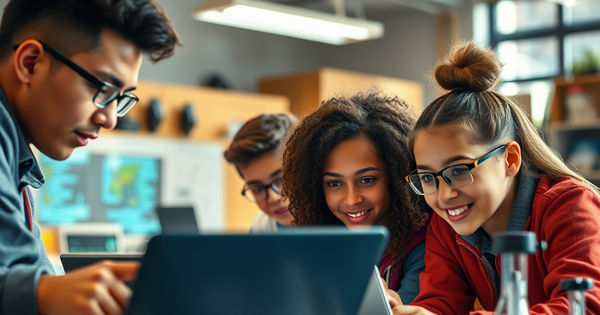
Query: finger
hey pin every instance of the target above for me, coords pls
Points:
(406, 310)
(104, 293)
(385, 285)
(121, 293)
(126, 270)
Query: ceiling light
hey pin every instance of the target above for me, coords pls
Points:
(288, 21)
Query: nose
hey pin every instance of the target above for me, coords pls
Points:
(106, 117)
(445, 191)
(272, 195)
(353, 197)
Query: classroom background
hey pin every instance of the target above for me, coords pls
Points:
(168, 150)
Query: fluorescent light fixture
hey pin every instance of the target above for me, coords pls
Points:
(288, 21)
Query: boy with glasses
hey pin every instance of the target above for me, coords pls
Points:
(255, 152)
(67, 70)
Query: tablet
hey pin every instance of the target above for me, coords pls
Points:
(303, 271)
(375, 301)
(177, 220)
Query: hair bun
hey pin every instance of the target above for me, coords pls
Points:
(468, 67)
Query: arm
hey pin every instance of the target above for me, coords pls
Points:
(444, 288)
(412, 267)
(570, 227)
(21, 264)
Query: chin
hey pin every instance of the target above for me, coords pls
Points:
(59, 155)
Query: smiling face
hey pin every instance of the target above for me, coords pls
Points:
(261, 171)
(486, 202)
(355, 183)
(55, 107)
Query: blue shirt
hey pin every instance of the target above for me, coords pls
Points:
(22, 253)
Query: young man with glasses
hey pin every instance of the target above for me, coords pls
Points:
(67, 70)
(255, 152)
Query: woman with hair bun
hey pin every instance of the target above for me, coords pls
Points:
(344, 165)
(484, 169)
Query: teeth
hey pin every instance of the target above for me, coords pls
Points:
(458, 211)
(356, 215)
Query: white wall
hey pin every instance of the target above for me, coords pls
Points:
(240, 56)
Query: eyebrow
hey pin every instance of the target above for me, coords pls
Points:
(447, 162)
(360, 171)
(258, 182)
(116, 81)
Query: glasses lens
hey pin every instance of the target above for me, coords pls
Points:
(105, 96)
(278, 184)
(458, 176)
(256, 194)
(415, 183)
(126, 104)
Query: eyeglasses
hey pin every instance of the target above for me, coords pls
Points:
(257, 193)
(456, 175)
(106, 92)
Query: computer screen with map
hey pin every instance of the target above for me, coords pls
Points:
(102, 187)
(121, 179)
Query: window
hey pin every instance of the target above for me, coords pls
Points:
(540, 40)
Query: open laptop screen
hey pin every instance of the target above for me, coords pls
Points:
(303, 271)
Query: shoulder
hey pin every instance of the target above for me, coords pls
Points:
(263, 223)
(562, 192)
(564, 203)
(8, 136)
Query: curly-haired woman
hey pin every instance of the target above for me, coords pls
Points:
(344, 163)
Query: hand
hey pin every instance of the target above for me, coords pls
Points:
(392, 296)
(97, 289)
(410, 310)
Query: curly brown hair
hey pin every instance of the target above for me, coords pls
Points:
(386, 121)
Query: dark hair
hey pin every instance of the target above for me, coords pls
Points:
(259, 135)
(386, 121)
(74, 26)
(469, 72)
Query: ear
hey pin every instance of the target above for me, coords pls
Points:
(513, 158)
(27, 60)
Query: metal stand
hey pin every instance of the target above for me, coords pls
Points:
(514, 248)
(576, 288)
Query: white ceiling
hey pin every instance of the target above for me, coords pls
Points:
(374, 7)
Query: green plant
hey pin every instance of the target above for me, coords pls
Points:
(590, 63)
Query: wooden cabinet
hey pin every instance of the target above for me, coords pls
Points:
(306, 90)
(575, 124)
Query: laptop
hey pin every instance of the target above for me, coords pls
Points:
(375, 301)
(297, 272)
(75, 261)
(177, 220)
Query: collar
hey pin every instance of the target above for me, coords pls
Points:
(518, 217)
(29, 171)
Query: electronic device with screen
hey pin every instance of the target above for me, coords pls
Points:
(177, 220)
(91, 238)
(375, 302)
(296, 272)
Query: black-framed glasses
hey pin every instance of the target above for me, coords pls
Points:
(257, 193)
(107, 92)
(455, 175)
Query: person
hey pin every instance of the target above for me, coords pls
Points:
(342, 166)
(484, 169)
(255, 152)
(68, 68)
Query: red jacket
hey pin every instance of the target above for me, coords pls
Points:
(564, 213)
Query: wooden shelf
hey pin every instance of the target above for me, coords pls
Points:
(592, 84)
(577, 125)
